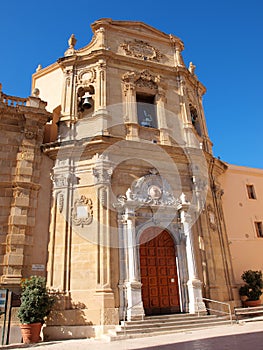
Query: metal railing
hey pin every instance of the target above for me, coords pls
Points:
(125, 312)
(210, 309)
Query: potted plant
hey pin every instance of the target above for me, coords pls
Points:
(251, 291)
(36, 304)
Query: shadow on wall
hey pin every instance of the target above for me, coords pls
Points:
(68, 320)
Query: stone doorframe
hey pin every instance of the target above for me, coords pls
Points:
(167, 214)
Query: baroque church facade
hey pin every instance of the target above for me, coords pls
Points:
(111, 189)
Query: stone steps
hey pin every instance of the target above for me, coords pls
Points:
(158, 325)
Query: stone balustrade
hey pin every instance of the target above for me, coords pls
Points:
(12, 101)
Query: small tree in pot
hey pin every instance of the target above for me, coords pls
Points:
(36, 304)
(252, 289)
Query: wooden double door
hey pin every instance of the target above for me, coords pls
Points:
(160, 292)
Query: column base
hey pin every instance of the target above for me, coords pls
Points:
(164, 137)
(132, 132)
(135, 310)
(196, 304)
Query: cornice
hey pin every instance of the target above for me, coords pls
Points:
(54, 66)
(131, 27)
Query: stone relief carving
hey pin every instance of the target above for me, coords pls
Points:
(141, 79)
(60, 202)
(82, 211)
(150, 189)
(211, 217)
(61, 180)
(103, 169)
(30, 134)
(87, 76)
(141, 49)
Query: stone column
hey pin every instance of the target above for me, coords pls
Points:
(64, 184)
(194, 284)
(68, 96)
(102, 175)
(162, 125)
(100, 94)
(190, 138)
(177, 47)
(102, 171)
(131, 119)
(132, 284)
(122, 265)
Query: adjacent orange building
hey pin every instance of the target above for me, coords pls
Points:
(243, 212)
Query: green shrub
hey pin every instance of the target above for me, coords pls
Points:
(36, 303)
(253, 284)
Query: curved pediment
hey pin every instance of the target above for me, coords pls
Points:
(150, 189)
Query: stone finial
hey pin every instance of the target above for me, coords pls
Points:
(191, 68)
(35, 92)
(71, 42)
(39, 67)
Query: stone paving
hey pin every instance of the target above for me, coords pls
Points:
(248, 336)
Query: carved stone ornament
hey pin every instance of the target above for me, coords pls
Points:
(82, 211)
(141, 49)
(150, 189)
(211, 217)
(103, 169)
(142, 79)
(30, 134)
(87, 76)
(59, 180)
(60, 202)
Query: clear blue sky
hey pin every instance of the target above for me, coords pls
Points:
(224, 39)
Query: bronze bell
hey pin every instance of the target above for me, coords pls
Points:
(86, 101)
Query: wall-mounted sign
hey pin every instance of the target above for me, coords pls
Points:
(3, 300)
(38, 267)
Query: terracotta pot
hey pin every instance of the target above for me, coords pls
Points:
(31, 332)
(252, 303)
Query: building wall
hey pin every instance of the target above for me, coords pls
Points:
(51, 77)
(241, 213)
(22, 124)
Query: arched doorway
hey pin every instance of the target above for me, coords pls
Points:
(160, 291)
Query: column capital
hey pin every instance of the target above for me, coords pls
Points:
(102, 170)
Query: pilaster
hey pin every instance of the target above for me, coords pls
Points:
(102, 172)
(194, 284)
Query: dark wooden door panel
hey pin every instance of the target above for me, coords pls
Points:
(159, 278)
